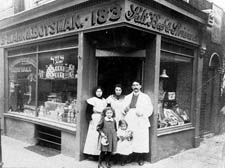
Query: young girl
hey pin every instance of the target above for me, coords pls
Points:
(124, 144)
(96, 105)
(107, 129)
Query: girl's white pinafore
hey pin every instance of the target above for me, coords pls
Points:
(124, 147)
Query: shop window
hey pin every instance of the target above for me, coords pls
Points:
(43, 80)
(68, 43)
(21, 51)
(22, 84)
(175, 90)
(57, 85)
(177, 49)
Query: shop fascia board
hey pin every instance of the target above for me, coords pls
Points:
(37, 12)
(181, 11)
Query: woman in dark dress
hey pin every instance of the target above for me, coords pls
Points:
(107, 130)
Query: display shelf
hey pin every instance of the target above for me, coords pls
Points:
(174, 129)
(66, 127)
(49, 79)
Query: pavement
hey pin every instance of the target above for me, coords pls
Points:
(17, 154)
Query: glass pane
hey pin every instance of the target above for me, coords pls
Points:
(22, 84)
(175, 93)
(21, 51)
(58, 44)
(57, 85)
(176, 48)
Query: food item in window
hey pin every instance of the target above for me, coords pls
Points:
(172, 117)
(41, 74)
(50, 73)
(181, 113)
(52, 97)
(60, 71)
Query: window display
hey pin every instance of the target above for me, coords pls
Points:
(175, 91)
(44, 84)
(22, 84)
(57, 85)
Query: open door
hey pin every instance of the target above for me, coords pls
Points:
(122, 70)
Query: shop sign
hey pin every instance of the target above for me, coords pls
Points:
(103, 15)
(156, 21)
(71, 22)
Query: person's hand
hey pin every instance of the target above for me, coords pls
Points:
(102, 134)
(139, 114)
(124, 113)
(122, 138)
(126, 110)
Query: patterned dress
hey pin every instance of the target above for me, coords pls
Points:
(91, 143)
(108, 127)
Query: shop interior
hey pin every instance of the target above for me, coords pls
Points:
(124, 71)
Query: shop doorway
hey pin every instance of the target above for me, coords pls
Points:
(212, 95)
(123, 70)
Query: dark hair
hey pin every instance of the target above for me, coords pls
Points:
(95, 89)
(138, 81)
(106, 109)
(122, 122)
(118, 85)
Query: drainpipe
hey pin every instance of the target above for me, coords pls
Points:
(1, 163)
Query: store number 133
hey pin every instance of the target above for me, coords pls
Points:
(101, 16)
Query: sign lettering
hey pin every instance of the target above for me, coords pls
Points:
(157, 22)
(58, 25)
(105, 15)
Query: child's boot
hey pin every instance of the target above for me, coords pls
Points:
(122, 160)
(100, 159)
(108, 158)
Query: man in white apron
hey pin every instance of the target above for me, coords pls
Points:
(138, 110)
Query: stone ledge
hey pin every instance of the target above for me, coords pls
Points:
(43, 121)
(174, 129)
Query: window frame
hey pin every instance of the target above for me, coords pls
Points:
(37, 54)
(185, 57)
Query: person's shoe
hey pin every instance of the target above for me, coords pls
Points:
(141, 162)
(108, 165)
(100, 166)
(129, 160)
(122, 163)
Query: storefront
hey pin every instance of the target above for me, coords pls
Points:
(51, 64)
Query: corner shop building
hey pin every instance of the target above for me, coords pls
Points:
(54, 56)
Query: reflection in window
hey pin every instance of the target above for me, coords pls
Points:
(22, 84)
